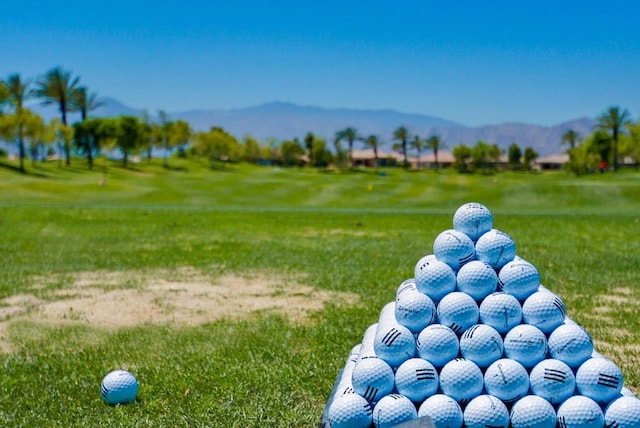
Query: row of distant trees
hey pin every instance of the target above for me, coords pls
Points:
(615, 136)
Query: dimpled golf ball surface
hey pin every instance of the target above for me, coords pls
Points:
(392, 410)
(481, 344)
(553, 380)
(486, 411)
(506, 379)
(437, 344)
(461, 379)
(394, 343)
(496, 248)
(434, 278)
(119, 387)
(453, 248)
(414, 310)
(533, 411)
(350, 411)
(372, 378)
(580, 412)
(599, 379)
(570, 343)
(443, 410)
(473, 219)
(458, 311)
(519, 278)
(501, 311)
(623, 412)
(477, 279)
(417, 379)
(544, 310)
(526, 344)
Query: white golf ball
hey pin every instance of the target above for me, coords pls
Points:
(533, 411)
(407, 284)
(481, 344)
(350, 411)
(119, 387)
(486, 411)
(458, 311)
(392, 410)
(519, 278)
(417, 379)
(552, 380)
(501, 311)
(496, 248)
(437, 344)
(372, 378)
(443, 410)
(414, 310)
(394, 343)
(477, 279)
(506, 379)
(599, 379)
(580, 412)
(461, 379)
(623, 412)
(571, 344)
(434, 278)
(626, 392)
(544, 310)
(526, 344)
(473, 219)
(453, 248)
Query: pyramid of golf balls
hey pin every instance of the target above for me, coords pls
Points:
(474, 340)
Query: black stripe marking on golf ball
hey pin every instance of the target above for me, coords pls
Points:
(455, 327)
(561, 422)
(608, 380)
(612, 424)
(469, 333)
(500, 285)
(391, 336)
(409, 286)
(104, 390)
(368, 409)
(370, 393)
(558, 304)
(555, 375)
(348, 390)
(467, 258)
(425, 374)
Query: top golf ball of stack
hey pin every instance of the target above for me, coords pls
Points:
(486, 411)
(392, 410)
(570, 343)
(453, 248)
(580, 412)
(444, 411)
(434, 278)
(473, 219)
(544, 310)
(519, 278)
(458, 311)
(501, 311)
(496, 248)
(532, 411)
(461, 379)
(414, 310)
(350, 411)
(599, 379)
(623, 412)
(119, 387)
(477, 279)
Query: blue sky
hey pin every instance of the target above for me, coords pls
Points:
(473, 62)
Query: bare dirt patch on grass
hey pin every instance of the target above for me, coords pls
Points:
(184, 296)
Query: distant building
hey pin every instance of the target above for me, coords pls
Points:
(552, 161)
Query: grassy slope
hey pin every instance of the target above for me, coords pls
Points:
(582, 234)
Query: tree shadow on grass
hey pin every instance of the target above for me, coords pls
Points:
(25, 172)
(175, 168)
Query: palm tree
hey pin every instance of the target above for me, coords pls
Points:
(373, 142)
(57, 87)
(84, 102)
(401, 134)
(435, 143)
(4, 95)
(614, 120)
(17, 92)
(418, 144)
(349, 134)
(570, 138)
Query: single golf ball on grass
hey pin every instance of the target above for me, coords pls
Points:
(473, 219)
(533, 411)
(579, 411)
(444, 411)
(119, 387)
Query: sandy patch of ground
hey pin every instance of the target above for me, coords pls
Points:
(184, 296)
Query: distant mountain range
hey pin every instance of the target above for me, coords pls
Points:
(286, 121)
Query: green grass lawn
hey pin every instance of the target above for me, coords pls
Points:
(355, 235)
